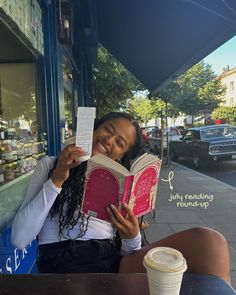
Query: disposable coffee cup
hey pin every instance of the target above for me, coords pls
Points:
(165, 267)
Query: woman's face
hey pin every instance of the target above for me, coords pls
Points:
(114, 138)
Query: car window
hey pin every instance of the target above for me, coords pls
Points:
(149, 131)
(153, 131)
(196, 135)
(174, 131)
(218, 131)
(188, 135)
(229, 132)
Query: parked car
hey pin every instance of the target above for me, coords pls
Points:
(148, 132)
(201, 144)
(181, 129)
(170, 133)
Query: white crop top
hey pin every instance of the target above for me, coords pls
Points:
(33, 218)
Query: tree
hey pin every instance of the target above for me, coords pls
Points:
(113, 84)
(25, 102)
(142, 109)
(225, 113)
(164, 109)
(196, 92)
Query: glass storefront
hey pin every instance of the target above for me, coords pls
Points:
(70, 100)
(23, 121)
(22, 142)
(34, 105)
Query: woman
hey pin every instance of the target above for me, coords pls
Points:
(72, 242)
(51, 207)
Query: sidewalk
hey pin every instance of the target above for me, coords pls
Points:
(214, 206)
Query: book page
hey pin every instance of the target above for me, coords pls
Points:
(102, 188)
(84, 129)
(142, 162)
(108, 182)
(144, 189)
(102, 160)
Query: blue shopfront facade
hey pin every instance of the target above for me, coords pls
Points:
(47, 68)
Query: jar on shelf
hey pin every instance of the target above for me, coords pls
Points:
(8, 157)
(1, 173)
(15, 155)
(20, 151)
(41, 146)
(30, 148)
(14, 144)
(9, 173)
(17, 170)
(2, 133)
(6, 144)
(26, 150)
(35, 148)
(1, 155)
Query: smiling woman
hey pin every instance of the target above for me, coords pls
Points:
(60, 181)
(114, 138)
(72, 242)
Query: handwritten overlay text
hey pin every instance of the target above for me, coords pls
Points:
(200, 200)
(191, 200)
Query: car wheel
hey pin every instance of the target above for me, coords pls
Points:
(173, 155)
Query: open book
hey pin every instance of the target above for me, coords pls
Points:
(108, 182)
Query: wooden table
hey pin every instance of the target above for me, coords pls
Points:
(102, 284)
(74, 284)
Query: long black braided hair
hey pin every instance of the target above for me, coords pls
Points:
(68, 202)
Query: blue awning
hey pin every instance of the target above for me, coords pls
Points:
(157, 40)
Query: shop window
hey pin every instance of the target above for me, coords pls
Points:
(231, 101)
(232, 86)
(21, 140)
(69, 99)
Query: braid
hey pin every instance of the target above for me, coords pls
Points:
(68, 202)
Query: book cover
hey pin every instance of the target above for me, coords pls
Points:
(108, 182)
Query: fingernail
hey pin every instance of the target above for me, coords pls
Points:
(112, 206)
(108, 209)
(125, 205)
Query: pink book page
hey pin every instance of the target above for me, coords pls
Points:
(126, 192)
(143, 195)
(101, 190)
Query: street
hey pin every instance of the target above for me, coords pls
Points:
(223, 171)
(180, 205)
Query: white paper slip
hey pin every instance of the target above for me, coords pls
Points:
(84, 129)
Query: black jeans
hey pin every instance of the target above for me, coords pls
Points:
(73, 256)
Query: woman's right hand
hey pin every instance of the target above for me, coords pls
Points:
(68, 159)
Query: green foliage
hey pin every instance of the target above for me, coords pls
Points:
(163, 108)
(142, 109)
(113, 84)
(21, 106)
(226, 113)
(146, 109)
(196, 92)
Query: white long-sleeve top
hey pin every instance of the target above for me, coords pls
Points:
(33, 218)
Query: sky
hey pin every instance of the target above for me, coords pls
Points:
(223, 56)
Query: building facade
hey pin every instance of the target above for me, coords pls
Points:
(228, 78)
(45, 73)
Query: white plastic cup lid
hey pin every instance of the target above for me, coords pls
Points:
(165, 259)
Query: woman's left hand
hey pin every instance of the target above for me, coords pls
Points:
(128, 228)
